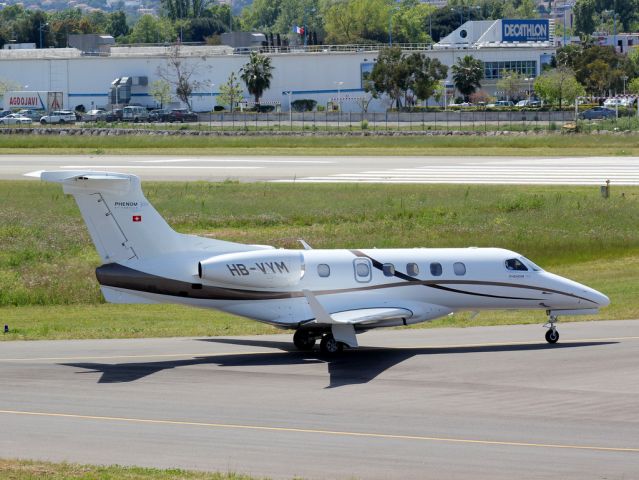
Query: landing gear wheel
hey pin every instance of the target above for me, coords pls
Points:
(303, 340)
(330, 346)
(552, 336)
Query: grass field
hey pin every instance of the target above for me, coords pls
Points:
(48, 287)
(33, 470)
(532, 145)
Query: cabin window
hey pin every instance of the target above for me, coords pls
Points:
(435, 269)
(363, 270)
(459, 268)
(388, 269)
(323, 270)
(412, 269)
(515, 264)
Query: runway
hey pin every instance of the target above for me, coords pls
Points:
(301, 169)
(481, 403)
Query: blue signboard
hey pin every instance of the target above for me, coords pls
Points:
(525, 30)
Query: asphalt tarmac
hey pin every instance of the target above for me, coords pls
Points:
(469, 170)
(477, 403)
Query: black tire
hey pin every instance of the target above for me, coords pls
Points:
(330, 346)
(303, 341)
(43, 122)
(552, 336)
(62, 122)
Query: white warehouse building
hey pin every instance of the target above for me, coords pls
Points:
(322, 73)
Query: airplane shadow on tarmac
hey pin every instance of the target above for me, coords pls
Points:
(352, 367)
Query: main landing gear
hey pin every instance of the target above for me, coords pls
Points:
(305, 340)
(552, 335)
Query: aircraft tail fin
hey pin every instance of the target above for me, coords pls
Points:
(122, 223)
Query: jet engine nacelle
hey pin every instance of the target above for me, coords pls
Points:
(260, 268)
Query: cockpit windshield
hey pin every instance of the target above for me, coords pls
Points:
(521, 264)
(533, 266)
(515, 264)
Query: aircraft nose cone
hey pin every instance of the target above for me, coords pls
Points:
(601, 299)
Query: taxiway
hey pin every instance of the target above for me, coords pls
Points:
(481, 403)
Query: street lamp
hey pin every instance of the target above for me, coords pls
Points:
(40, 28)
(213, 106)
(529, 80)
(339, 98)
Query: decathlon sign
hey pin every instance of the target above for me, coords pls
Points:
(525, 31)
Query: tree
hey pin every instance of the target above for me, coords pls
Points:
(179, 73)
(510, 84)
(558, 85)
(584, 12)
(230, 92)
(424, 74)
(467, 74)
(8, 86)
(357, 21)
(388, 75)
(117, 25)
(151, 29)
(257, 75)
(161, 91)
(183, 9)
(633, 86)
(398, 75)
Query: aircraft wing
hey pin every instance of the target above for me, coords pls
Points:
(358, 316)
(369, 315)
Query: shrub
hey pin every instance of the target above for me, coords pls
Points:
(364, 125)
(218, 108)
(303, 105)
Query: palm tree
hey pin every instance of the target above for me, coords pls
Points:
(257, 74)
(467, 73)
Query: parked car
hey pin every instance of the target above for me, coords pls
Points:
(32, 114)
(15, 119)
(528, 103)
(4, 113)
(58, 116)
(501, 103)
(95, 115)
(597, 113)
(160, 115)
(618, 102)
(114, 115)
(182, 115)
(135, 114)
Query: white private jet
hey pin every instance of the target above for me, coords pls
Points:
(327, 294)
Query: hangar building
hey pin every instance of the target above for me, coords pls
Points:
(324, 73)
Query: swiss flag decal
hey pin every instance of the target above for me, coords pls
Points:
(137, 218)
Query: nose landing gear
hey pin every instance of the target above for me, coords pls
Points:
(552, 335)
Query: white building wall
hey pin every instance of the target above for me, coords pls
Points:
(86, 80)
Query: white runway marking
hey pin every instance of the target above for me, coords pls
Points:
(165, 167)
(236, 160)
(524, 172)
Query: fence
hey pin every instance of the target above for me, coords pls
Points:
(442, 121)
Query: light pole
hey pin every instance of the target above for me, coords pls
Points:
(564, 8)
(40, 28)
(290, 107)
(213, 106)
(529, 80)
(624, 78)
(339, 98)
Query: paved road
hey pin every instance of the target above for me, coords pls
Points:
(499, 170)
(482, 403)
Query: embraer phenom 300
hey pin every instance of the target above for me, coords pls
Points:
(323, 294)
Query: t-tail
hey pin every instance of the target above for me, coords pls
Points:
(122, 223)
